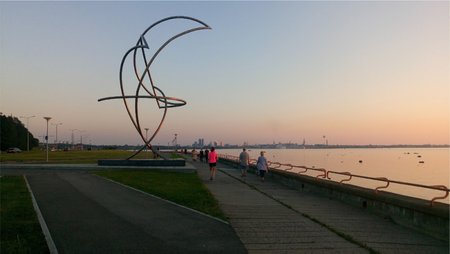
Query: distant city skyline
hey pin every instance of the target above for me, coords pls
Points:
(201, 143)
(353, 72)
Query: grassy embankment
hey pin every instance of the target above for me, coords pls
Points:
(182, 188)
(20, 229)
(76, 157)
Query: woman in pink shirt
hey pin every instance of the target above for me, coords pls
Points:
(212, 159)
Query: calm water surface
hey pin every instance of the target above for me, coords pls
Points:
(401, 164)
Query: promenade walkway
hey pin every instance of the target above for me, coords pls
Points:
(88, 214)
(271, 218)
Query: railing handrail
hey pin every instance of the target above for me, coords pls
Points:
(433, 187)
(326, 174)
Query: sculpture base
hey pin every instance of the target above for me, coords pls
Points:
(143, 163)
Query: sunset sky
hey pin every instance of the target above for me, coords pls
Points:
(355, 72)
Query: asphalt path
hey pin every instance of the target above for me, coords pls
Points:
(88, 214)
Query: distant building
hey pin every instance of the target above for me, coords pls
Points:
(199, 143)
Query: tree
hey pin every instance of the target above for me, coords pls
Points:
(14, 134)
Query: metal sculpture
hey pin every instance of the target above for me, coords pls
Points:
(163, 102)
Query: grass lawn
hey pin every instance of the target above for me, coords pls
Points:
(39, 156)
(19, 226)
(182, 188)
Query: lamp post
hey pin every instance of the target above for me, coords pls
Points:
(46, 135)
(175, 141)
(73, 137)
(85, 137)
(28, 131)
(56, 137)
(81, 138)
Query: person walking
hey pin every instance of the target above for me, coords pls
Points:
(262, 165)
(212, 159)
(206, 155)
(201, 155)
(194, 155)
(244, 161)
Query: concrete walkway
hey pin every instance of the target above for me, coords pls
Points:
(88, 214)
(271, 218)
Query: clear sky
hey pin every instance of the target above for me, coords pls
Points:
(355, 72)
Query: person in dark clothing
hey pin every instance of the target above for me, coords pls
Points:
(201, 155)
(206, 155)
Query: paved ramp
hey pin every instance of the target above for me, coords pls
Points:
(88, 214)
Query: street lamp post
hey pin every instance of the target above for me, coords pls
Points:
(56, 137)
(73, 137)
(46, 135)
(81, 138)
(28, 131)
(175, 142)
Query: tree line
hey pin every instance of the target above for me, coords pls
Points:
(14, 134)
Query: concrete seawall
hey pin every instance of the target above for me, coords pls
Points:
(407, 211)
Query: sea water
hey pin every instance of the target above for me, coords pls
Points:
(425, 166)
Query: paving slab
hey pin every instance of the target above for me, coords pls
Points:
(266, 226)
(379, 233)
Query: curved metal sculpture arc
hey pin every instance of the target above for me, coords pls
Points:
(163, 102)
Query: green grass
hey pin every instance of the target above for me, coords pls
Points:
(19, 226)
(176, 156)
(182, 188)
(39, 156)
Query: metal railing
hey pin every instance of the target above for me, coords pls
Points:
(326, 175)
